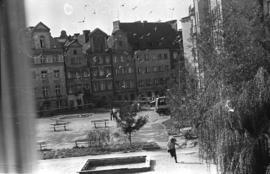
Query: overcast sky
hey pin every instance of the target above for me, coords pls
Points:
(77, 15)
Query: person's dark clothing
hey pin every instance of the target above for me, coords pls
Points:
(171, 148)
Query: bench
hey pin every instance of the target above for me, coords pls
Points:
(82, 141)
(103, 121)
(42, 145)
(59, 124)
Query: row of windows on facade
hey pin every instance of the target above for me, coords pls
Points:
(123, 70)
(124, 84)
(78, 88)
(48, 59)
(122, 58)
(101, 60)
(45, 91)
(150, 57)
(102, 86)
(151, 82)
(77, 60)
(161, 68)
(102, 71)
(78, 75)
(45, 74)
(107, 60)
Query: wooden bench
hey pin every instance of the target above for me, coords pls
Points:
(42, 145)
(82, 141)
(59, 124)
(103, 121)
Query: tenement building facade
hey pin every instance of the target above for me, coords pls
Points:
(138, 60)
(155, 51)
(47, 70)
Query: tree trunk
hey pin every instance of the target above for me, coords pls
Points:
(129, 138)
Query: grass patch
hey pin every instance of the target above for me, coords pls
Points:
(171, 126)
(84, 151)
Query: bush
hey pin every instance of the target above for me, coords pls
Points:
(76, 152)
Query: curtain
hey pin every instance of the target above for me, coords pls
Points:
(17, 113)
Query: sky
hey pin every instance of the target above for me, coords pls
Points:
(74, 16)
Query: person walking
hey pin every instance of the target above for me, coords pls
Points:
(171, 147)
(112, 114)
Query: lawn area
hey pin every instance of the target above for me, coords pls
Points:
(78, 127)
(61, 144)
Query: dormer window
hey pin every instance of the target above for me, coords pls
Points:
(42, 41)
(74, 52)
(120, 43)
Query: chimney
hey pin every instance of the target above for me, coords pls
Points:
(86, 34)
(173, 24)
(116, 25)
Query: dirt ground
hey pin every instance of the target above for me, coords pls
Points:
(79, 126)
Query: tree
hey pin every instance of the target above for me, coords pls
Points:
(231, 47)
(234, 63)
(129, 121)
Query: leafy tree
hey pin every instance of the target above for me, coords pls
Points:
(231, 48)
(234, 63)
(129, 121)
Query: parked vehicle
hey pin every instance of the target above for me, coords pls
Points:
(162, 106)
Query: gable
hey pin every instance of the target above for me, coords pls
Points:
(98, 31)
(76, 44)
(41, 27)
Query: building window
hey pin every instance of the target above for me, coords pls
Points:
(115, 59)
(44, 74)
(58, 104)
(155, 68)
(165, 56)
(130, 70)
(101, 60)
(75, 52)
(109, 85)
(69, 75)
(166, 67)
(139, 70)
(141, 83)
(102, 86)
(56, 73)
(86, 86)
(148, 82)
(132, 85)
(120, 43)
(101, 72)
(49, 60)
(42, 41)
(159, 56)
(73, 60)
(86, 74)
(45, 91)
(94, 59)
(122, 58)
(156, 81)
(147, 70)
(42, 59)
(57, 90)
(95, 86)
(107, 59)
(108, 72)
(77, 75)
(95, 72)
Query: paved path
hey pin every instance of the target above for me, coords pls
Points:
(163, 164)
(153, 131)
